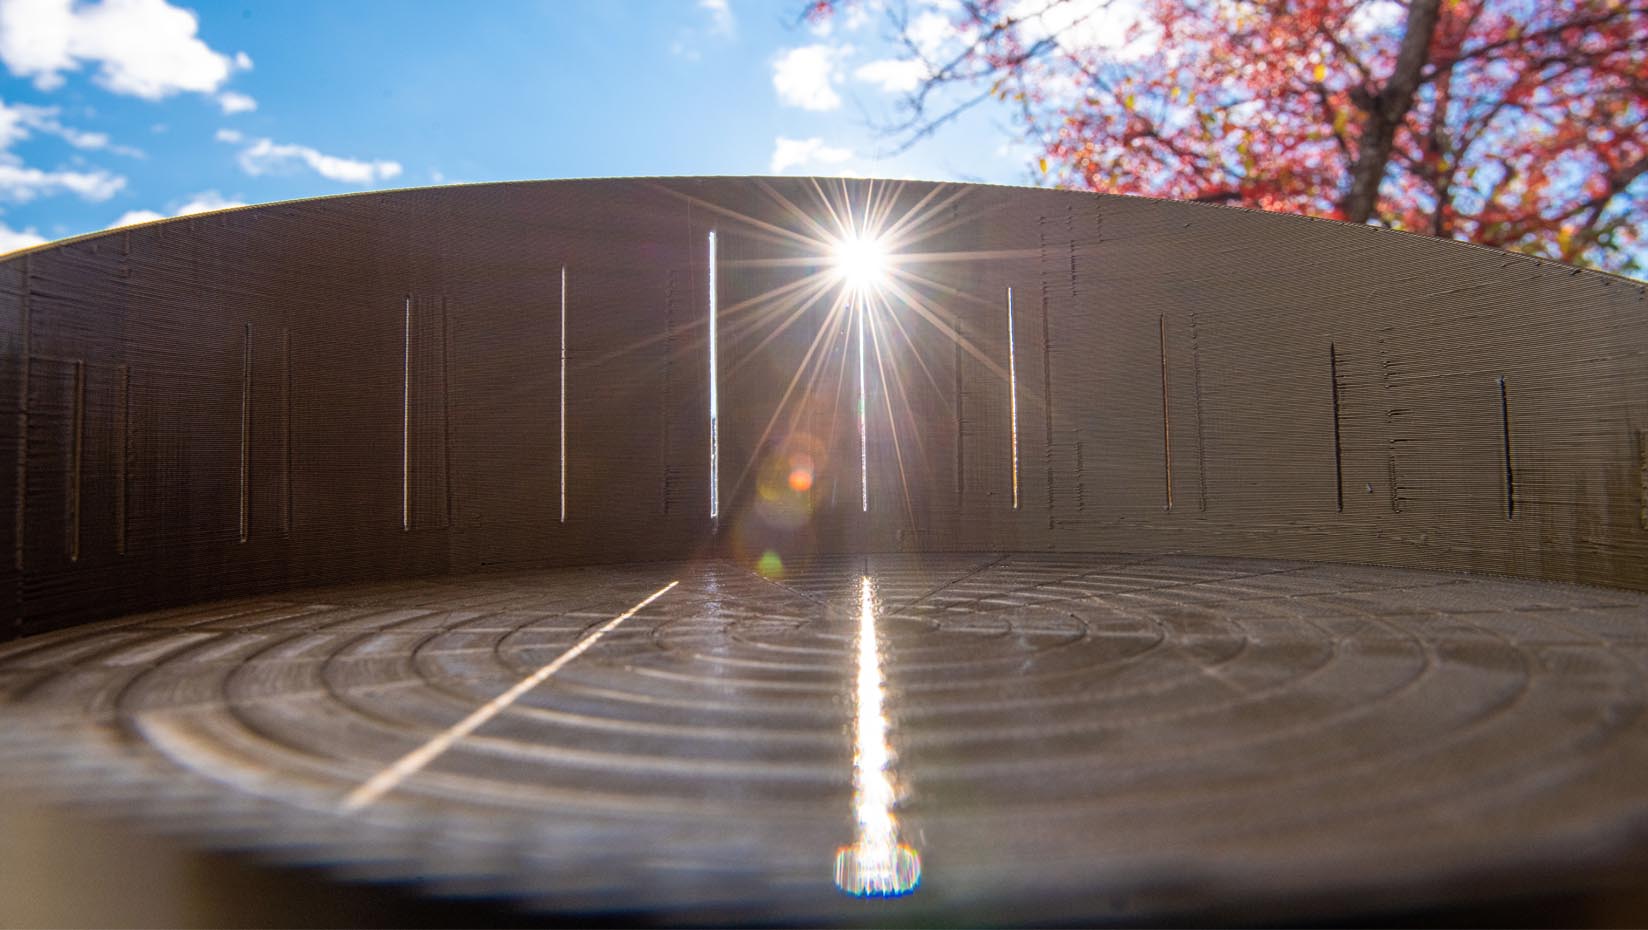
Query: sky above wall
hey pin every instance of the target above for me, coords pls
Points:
(123, 111)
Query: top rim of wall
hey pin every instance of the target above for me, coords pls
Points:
(1537, 261)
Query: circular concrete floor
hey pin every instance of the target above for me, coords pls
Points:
(1085, 738)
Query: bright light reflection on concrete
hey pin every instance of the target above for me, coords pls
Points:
(860, 262)
(876, 864)
(413, 762)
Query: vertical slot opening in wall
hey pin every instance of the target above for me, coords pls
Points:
(1167, 424)
(961, 448)
(406, 418)
(1505, 434)
(1338, 448)
(285, 431)
(1013, 397)
(715, 436)
(122, 452)
(246, 435)
(20, 511)
(77, 455)
(863, 422)
(563, 468)
(1047, 402)
(446, 413)
(1201, 434)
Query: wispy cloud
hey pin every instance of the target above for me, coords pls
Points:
(18, 120)
(1087, 26)
(894, 75)
(851, 17)
(804, 77)
(20, 183)
(807, 153)
(266, 156)
(233, 103)
(13, 239)
(722, 22)
(203, 202)
(144, 48)
(719, 24)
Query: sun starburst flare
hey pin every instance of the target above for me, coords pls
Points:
(845, 260)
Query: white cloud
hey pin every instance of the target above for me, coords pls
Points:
(265, 156)
(145, 48)
(720, 25)
(935, 35)
(804, 76)
(21, 183)
(1086, 26)
(233, 103)
(722, 22)
(229, 135)
(135, 217)
(203, 202)
(14, 124)
(894, 75)
(17, 120)
(206, 202)
(801, 153)
(13, 239)
(851, 17)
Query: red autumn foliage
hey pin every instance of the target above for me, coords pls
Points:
(1520, 124)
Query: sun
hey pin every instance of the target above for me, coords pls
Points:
(860, 262)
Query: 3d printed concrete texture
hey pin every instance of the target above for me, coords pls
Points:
(372, 387)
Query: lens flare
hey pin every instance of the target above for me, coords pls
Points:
(770, 565)
(801, 473)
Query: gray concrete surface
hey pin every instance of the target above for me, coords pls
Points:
(1073, 737)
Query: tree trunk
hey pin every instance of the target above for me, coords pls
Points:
(1387, 109)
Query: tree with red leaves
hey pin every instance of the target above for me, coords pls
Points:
(1520, 124)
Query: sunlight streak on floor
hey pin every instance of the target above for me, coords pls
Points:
(876, 864)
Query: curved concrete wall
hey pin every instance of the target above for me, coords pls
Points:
(370, 386)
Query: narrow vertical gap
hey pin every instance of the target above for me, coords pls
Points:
(122, 452)
(77, 453)
(446, 409)
(1047, 401)
(20, 513)
(285, 431)
(1013, 397)
(666, 397)
(246, 435)
(961, 448)
(1338, 448)
(863, 422)
(406, 418)
(1167, 426)
(563, 465)
(1505, 432)
(715, 436)
(1201, 434)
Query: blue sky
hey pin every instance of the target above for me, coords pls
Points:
(126, 110)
